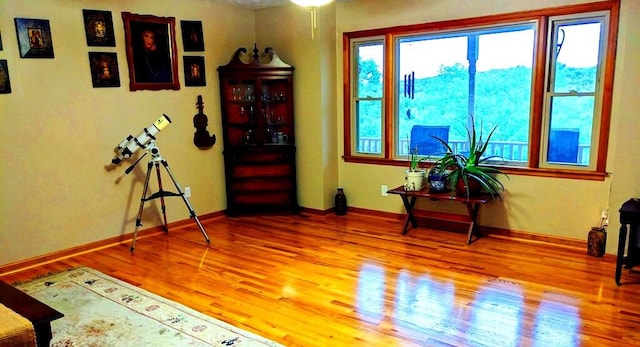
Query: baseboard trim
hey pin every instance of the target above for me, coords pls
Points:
(93, 246)
(436, 223)
(458, 224)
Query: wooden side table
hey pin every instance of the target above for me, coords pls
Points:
(409, 199)
(629, 219)
(39, 314)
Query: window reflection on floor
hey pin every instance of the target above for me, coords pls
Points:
(424, 308)
(371, 288)
(424, 303)
(496, 315)
(557, 322)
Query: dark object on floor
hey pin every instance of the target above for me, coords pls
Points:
(597, 242)
(39, 314)
(340, 203)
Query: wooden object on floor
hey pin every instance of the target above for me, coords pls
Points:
(39, 314)
(629, 218)
(472, 204)
(258, 133)
(354, 280)
(15, 330)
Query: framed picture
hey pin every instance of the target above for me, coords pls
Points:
(192, 39)
(5, 84)
(98, 27)
(34, 38)
(194, 71)
(104, 69)
(0, 40)
(151, 52)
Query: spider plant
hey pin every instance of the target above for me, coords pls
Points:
(466, 168)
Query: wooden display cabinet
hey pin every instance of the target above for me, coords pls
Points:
(256, 97)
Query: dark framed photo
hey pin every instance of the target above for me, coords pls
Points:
(5, 83)
(151, 51)
(194, 71)
(34, 38)
(104, 69)
(0, 40)
(192, 38)
(98, 27)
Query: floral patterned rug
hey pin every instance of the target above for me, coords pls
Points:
(100, 310)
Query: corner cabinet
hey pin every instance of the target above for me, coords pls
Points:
(258, 134)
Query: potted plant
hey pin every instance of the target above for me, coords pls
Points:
(437, 179)
(414, 178)
(468, 173)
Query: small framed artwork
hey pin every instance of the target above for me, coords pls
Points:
(34, 38)
(194, 72)
(151, 51)
(5, 83)
(104, 69)
(192, 39)
(0, 40)
(98, 27)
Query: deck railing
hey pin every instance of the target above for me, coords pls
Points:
(507, 150)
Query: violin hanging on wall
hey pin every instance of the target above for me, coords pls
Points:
(201, 138)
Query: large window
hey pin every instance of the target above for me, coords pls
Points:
(543, 77)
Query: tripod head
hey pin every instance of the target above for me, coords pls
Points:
(150, 148)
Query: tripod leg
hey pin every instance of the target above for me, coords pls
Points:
(162, 204)
(192, 213)
(142, 200)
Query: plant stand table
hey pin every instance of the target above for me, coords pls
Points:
(472, 204)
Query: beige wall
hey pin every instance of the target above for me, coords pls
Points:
(58, 132)
(558, 207)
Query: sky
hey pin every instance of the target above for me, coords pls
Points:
(498, 50)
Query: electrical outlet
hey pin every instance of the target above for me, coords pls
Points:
(383, 190)
(187, 192)
(605, 213)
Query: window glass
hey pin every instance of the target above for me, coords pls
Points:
(537, 75)
(576, 60)
(449, 78)
(574, 80)
(368, 98)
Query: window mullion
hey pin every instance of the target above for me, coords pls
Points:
(388, 99)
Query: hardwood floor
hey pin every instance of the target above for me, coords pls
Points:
(353, 280)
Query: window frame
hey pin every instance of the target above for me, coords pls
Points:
(542, 18)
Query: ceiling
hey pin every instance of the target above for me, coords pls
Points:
(255, 4)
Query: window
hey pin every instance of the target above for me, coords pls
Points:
(368, 97)
(540, 76)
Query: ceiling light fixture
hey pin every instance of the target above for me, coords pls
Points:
(311, 3)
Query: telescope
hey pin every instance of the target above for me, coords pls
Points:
(131, 144)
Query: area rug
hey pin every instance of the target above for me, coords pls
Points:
(100, 310)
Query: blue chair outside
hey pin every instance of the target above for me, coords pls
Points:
(563, 146)
(422, 140)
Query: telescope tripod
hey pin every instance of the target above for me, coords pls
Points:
(156, 160)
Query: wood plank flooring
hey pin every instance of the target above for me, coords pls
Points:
(353, 280)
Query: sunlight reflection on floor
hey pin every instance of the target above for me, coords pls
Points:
(428, 309)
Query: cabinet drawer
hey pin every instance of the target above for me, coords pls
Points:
(262, 185)
(249, 157)
(246, 171)
(276, 198)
